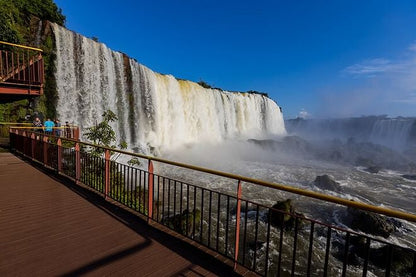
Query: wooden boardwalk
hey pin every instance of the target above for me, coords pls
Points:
(49, 227)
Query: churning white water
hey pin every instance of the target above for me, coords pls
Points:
(154, 110)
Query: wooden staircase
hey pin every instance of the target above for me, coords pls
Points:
(21, 70)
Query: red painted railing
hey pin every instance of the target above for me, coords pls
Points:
(21, 70)
(250, 234)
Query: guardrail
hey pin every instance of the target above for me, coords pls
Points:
(270, 241)
(21, 66)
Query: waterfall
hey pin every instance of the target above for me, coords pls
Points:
(393, 132)
(154, 110)
(396, 133)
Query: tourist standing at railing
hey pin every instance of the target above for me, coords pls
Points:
(49, 126)
(68, 130)
(57, 130)
(37, 124)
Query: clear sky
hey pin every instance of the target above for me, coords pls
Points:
(320, 58)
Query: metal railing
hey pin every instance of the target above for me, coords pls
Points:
(21, 65)
(270, 241)
(66, 131)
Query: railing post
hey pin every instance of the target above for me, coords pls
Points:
(150, 192)
(59, 143)
(33, 136)
(76, 133)
(45, 150)
(107, 173)
(237, 227)
(11, 137)
(77, 163)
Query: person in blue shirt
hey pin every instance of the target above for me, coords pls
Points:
(49, 126)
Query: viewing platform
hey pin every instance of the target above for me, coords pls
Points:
(21, 70)
(72, 209)
(50, 228)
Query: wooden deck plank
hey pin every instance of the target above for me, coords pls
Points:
(50, 228)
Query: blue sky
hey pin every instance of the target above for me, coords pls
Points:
(320, 58)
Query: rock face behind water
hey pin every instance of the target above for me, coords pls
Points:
(326, 182)
(370, 223)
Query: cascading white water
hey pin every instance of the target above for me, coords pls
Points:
(397, 133)
(154, 110)
(394, 132)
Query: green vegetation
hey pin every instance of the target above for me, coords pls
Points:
(19, 23)
(204, 84)
(102, 134)
(17, 16)
(258, 92)
(12, 112)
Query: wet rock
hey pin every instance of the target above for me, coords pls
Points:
(183, 223)
(370, 223)
(255, 246)
(361, 161)
(283, 214)
(265, 143)
(277, 218)
(373, 169)
(409, 177)
(401, 258)
(327, 183)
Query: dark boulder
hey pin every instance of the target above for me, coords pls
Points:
(373, 169)
(361, 161)
(409, 177)
(283, 214)
(327, 183)
(184, 222)
(255, 246)
(401, 258)
(370, 223)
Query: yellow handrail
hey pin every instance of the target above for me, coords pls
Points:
(308, 193)
(21, 46)
(14, 123)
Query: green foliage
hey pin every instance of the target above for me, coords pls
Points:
(17, 18)
(14, 112)
(257, 92)
(102, 134)
(20, 10)
(134, 162)
(204, 84)
(48, 101)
